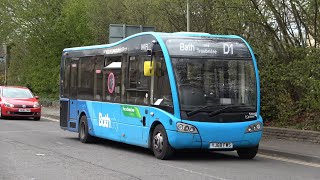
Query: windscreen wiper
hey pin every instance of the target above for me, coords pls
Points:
(200, 109)
(216, 112)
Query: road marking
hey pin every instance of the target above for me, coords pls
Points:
(290, 160)
(50, 119)
(193, 172)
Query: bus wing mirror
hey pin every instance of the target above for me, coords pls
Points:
(148, 68)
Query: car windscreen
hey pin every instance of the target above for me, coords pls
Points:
(16, 93)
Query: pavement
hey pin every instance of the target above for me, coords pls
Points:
(284, 148)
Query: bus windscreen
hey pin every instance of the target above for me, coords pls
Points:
(213, 75)
(209, 84)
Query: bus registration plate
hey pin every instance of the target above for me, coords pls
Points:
(24, 110)
(221, 146)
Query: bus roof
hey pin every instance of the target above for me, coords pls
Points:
(160, 34)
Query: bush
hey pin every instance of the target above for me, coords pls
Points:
(291, 89)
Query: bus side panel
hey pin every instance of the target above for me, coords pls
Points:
(64, 113)
(116, 122)
(89, 108)
(166, 119)
(73, 116)
(131, 124)
(102, 119)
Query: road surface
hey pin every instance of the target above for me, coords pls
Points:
(41, 150)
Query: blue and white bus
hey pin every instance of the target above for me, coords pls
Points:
(166, 92)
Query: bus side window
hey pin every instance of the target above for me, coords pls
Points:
(137, 84)
(133, 71)
(112, 79)
(66, 78)
(99, 62)
(86, 78)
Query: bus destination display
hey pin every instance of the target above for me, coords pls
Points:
(207, 47)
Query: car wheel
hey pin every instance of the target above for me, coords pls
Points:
(1, 116)
(160, 144)
(84, 135)
(247, 153)
(36, 118)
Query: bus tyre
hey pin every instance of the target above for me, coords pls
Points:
(248, 153)
(160, 144)
(84, 135)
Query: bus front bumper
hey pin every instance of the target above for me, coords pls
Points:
(180, 140)
(238, 139)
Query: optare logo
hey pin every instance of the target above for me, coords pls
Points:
(251, 115)
(104, 121)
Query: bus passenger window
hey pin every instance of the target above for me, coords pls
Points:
(98, 78)
(112, 79)
(133, 71)
(66, 78)
(137, 88)
(112, 86)
(85, 79)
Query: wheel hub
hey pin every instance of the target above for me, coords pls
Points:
(82, 130)
(158, 142)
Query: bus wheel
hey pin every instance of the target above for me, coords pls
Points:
(160, 144)
(84, 135)
(248, 153)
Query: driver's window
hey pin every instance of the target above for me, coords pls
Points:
(162, 90)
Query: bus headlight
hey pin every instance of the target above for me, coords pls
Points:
(187, 128)
(254, 127)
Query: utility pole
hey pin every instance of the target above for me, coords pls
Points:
(188, 17)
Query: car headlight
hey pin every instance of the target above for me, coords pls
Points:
(187, 128)
(36, 105)
(8, 104)
(254, 127)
